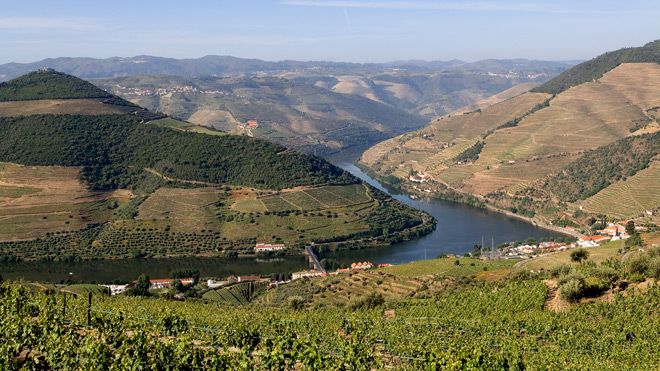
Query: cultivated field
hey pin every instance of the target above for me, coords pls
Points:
(61, 107)
(583, 117)
(185, 126)
(246, 214)
(628, 198)
(35, 200)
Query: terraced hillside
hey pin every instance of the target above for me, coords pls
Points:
(121, 182)
(501, 154)
(633, 197)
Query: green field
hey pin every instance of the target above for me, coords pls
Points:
(15, 192)
(185, 126)
(448, 267)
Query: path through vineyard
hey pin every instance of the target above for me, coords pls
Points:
(553, 301)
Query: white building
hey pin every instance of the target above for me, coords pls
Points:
(269, 247)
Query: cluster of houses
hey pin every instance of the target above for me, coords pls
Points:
(250, 124)
(154, 284)
(358, 266)
(612, 232)
(420, 177)
(146, 92)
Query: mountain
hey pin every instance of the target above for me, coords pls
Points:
(233, 66)
(315, 113)
(533, 154)
(103, 178)
(303, 116)
(316, 107)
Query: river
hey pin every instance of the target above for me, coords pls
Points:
(459, 228)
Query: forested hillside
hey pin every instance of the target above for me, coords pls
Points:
(48, 84)
(599, 168)
(114, 150)
(597, 67)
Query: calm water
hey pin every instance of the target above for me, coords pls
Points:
(459, 228)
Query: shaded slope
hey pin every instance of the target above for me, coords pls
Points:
(599, 168)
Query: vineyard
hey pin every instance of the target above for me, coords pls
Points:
(478, 325)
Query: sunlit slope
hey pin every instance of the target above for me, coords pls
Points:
(526, 137)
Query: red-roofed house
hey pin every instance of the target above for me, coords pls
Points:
(362, 265)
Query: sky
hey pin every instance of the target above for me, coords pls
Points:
(334, 30)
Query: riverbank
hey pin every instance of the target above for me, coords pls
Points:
(457, 229)
(404, 187)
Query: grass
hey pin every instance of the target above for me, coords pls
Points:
(447, 267)
(15, 192)
(62, 107)
(83, 289)
(36, 200)
(185, 126)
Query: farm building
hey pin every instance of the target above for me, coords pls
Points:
(361, 265)
(269, 247)
(310, 273)
(162, 283)
(614, 230)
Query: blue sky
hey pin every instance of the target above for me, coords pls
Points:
(347, 30)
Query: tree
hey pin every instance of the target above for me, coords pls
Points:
(578, 255)
(630, 228)
(329, 264)
(141, 287)
(635, 240)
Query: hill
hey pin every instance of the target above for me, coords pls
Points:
(320, 113)
(595, 69)
(599, 168)
(118, 185)
(506, 155)
(47, 84)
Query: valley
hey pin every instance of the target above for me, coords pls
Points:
(506, 155)
(126, 183)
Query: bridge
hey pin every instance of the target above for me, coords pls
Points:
(313, 259)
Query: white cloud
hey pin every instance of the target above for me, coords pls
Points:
(27, 23)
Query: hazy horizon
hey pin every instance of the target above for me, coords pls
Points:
(337, 31)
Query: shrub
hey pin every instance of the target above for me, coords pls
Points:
(572, 290)
(578, 255)
(653, 270)
(570, 277)
(522, 275)
(638, 264)
(370, 301)
(562, 270)
(607, 274)
(296, 302)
